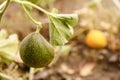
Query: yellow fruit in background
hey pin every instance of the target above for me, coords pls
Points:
(96, 39)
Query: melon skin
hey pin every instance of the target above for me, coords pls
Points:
(35, 51)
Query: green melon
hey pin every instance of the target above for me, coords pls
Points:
(35, 51)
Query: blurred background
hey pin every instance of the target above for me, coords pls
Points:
(93, 52)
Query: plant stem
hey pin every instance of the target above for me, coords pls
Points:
(31, 74)
(2, 5)
(28, 14)
(31, 4)
(3, 10)
(38, 28)
(6, 76)
(6, 3)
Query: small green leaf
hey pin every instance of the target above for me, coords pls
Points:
(94, 3)
(61, 27)
(3, 7)
(71, 19)
(34, 1)
(46, 3)
(54, 10)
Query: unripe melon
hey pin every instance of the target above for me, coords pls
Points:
(35, 51)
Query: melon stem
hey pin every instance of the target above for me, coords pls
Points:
(38, 28)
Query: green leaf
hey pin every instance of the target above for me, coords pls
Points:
(8, 47)
(46, 3)
(71, 19)
(54, 10)
(61, 27)
(3, 7)
(34, 1)
(94, 3)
